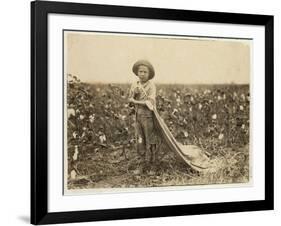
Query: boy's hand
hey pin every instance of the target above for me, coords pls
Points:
(131, 100)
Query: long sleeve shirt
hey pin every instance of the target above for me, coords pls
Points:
(137, 93)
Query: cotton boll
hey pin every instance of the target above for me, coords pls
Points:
(92, 118)
(214, 116)
(74, 134)
(221, 136)
(207, 91)
(75, 155)
(73, 174)
(174, 111)
(70, 112)
(102, 138)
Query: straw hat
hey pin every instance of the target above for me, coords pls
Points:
(145, 63)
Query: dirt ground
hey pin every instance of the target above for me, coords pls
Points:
(123, 168)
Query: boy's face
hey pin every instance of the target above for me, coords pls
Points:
(143, 73)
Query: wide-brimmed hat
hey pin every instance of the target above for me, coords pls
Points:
(145, 63)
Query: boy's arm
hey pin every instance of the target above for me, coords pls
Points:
(131, 96)
(151, 96)
(131, 93)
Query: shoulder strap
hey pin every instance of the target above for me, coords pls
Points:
(149, 105)
(140, 85)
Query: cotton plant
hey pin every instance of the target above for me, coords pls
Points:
(199, 118)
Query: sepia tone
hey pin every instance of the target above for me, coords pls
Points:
(202, 106)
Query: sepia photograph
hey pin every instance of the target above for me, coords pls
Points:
(140, 112)
(155, 111)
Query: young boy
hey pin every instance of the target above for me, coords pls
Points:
(143, 95)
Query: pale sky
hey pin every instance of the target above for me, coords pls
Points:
(99, 57)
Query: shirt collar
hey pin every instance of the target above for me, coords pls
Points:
(144, 84)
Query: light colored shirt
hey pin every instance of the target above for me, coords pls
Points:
(137, 93)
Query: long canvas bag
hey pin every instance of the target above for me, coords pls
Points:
(194, 156)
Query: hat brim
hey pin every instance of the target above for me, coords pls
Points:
(145, 63)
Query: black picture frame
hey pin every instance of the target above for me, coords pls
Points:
(39, 112)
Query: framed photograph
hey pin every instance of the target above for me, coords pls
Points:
(145, 112)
